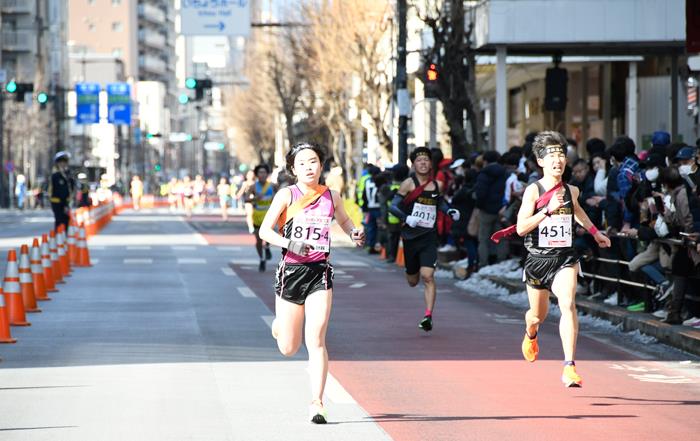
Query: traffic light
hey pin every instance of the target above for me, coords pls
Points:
(431, 81)
(42, 98)
(156, 167)
(199, 85)
(153, 135)
(183, 98)
(18, 89)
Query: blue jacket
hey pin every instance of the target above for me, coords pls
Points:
(490, 188)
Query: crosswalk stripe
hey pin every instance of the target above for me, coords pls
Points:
(138, 261)
(138, 247)
(246, 292)
(191, 261)
(228, 271)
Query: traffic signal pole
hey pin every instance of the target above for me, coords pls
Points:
(402, 97)
(2, 150)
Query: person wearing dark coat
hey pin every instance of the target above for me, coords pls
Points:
(61, 187)
(489, 192)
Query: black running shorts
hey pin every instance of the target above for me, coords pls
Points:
(539, 271)
(296, 281)
(420, 252)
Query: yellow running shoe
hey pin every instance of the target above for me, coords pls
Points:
(530, 348)
(570, 378)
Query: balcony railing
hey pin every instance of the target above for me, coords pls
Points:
(152, 38)
(151, 13)
(18, 41)
(152, 64)
(17, 6)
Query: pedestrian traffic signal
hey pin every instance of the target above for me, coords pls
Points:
(431, 81)
(183, 98)
(432, 74)
(156, 167)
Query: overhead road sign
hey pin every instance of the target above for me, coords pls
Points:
(119, 103)
(215, 17)
(87, 103)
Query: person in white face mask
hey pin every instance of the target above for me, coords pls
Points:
(687, 166)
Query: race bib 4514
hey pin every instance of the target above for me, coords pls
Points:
(555, 231)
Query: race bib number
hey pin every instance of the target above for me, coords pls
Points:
(426, 213)
(555, 231)
(314, 230)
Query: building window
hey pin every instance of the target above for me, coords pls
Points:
(91, 2)
(117, 26)
(117, 52)
(91, 27)
(116, 2)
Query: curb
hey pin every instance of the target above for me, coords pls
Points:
(681, 337)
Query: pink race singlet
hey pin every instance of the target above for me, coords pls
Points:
(312, 225)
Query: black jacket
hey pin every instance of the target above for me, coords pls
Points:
(490, 188)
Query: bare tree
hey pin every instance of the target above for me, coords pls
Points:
(454, 57)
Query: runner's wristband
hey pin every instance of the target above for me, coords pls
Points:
(593, 230)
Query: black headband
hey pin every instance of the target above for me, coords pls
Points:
(554, 148)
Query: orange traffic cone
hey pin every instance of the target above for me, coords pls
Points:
(399, 255)
(5, 334)
(55, 264)
(382, 253)
(26, 282)
(37, 272)
(12, 292)
(49, 280)
(83, 252)
(72, 243)
(64, 264)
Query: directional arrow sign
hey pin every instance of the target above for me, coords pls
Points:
(222, 17)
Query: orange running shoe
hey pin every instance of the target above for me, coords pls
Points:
(530, 348)
(570, 378)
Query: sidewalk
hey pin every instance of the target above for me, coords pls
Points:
(509, 279)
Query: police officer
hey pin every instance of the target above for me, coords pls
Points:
(60, 189)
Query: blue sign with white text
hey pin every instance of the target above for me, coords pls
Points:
(88, 103)
(119, 103)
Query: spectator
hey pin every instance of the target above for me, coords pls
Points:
(595, 146)
(688, 167)
(370, 206)
(677, 217)
(20, 190)
(399, 173)
(489, 192)
(463, 201)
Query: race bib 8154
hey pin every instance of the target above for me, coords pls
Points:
(314, 230)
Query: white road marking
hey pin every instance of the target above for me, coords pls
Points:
(358, 285)
(228, 271)
(183, 248)
(268, 319)
(191, 261)
(338, 271)
(350, 263)
(138, 247)
(96, 247)
(228, 248)
(245, 261)
(137, 261)
(94, 261)
(334, 390)
(246, 292)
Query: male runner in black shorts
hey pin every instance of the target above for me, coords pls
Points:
(551, 265)
(419, 230)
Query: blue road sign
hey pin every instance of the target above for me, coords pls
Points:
(119, 103)
(88, 103)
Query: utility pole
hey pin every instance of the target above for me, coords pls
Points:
(402, 97)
